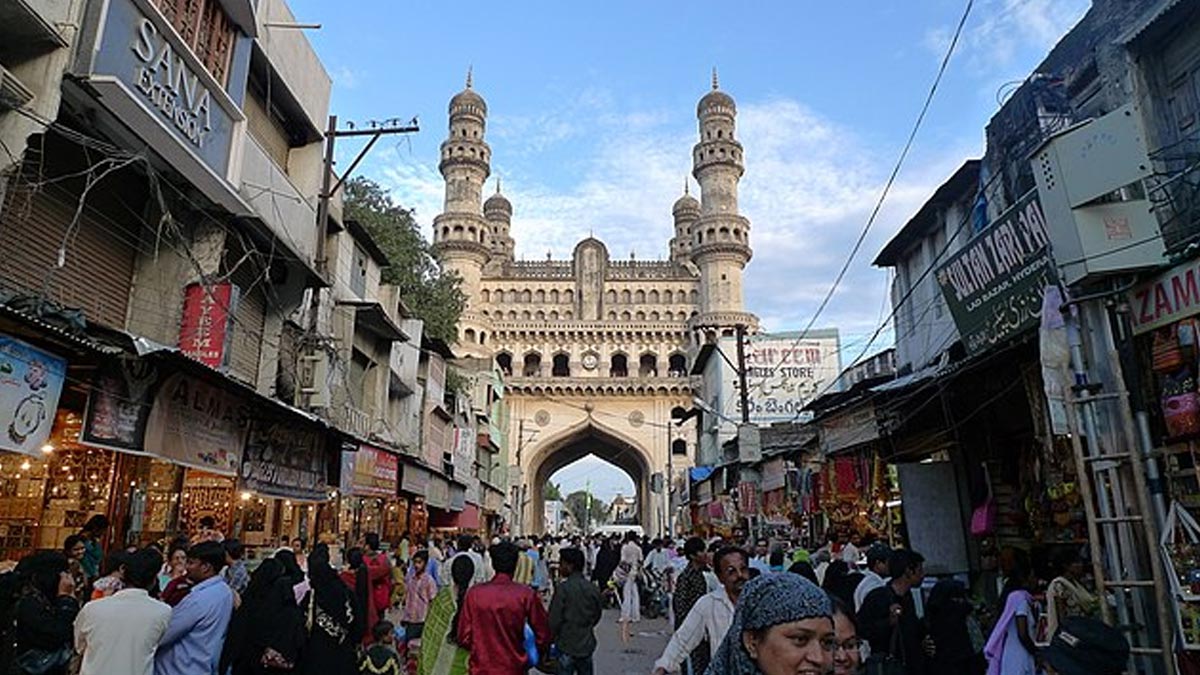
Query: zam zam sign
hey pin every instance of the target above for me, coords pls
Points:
(994, 284)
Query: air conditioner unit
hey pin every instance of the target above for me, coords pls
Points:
(1097, 217)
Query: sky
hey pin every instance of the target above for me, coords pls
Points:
(592, 118)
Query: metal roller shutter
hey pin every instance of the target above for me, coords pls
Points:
(249, 320)
(100, 257)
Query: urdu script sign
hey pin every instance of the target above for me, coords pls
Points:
(994, 284)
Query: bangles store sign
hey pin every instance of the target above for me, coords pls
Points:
(994, 284)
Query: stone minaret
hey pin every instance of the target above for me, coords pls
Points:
(720, 235)
(461, 236)
(686, 211)
(497, 210)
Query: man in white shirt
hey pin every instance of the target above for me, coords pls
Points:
(761, 561)
(875, 576)
(711, 615)
(657, 560)
(120, 634)
(468, 545)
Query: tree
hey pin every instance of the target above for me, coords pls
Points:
(432, 293)
(551, 492)
(577, 506)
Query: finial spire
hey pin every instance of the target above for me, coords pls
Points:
(470, 78)
(685, 184)
(497, 184)
(716, 84)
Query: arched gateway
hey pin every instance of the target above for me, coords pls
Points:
(594, 347)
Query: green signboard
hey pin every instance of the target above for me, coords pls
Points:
(994, 284)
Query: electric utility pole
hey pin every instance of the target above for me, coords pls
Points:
(741, 368)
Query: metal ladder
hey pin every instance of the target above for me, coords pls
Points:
(1122, 530)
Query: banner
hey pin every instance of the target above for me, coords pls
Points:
(784, 371)
(206, 329)
(119, 403)
(196, 424)
(373, 472)
(31, 381)
(994, 284)
(285, 459)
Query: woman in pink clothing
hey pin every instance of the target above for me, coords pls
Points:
(417, 596)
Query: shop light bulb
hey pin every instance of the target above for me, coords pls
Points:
(287, 503)
(47, 448)
(245, 496)
(25, 466)
(66, 468)
(333, 494)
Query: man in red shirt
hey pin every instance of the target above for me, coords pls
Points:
(379, 572)
(491, 624)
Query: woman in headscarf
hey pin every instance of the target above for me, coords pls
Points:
(45, 612)
(783, 625)
(1010, 650)
(1066, 596)
(957, 639)
(333, 619)
(357, 579)
(292, 572)
(440, 653)
(267, 630)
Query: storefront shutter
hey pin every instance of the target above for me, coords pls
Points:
(249, 322)
(101, 253)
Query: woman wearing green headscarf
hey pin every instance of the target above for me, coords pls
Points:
(783, 625)
(440, 653)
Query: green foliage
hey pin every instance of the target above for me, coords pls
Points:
(433, 294)
(551, 492)
(577, 506)
(457, 382)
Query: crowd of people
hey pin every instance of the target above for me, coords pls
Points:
(461, 607)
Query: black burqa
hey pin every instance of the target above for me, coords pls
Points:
(607, 560)
(948, 613)
(334, 618)
(268, 618)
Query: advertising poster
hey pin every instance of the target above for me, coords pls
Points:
(285, 459)
(196, 424)
(119, 405)
(31, 380)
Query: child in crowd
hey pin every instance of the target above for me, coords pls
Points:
(381, 657)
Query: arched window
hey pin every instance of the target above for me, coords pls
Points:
(569, 296)
(504, 362)
(639, 297)
(568, 315)
(482, 338)
(533, 365)
(525, 316)
(619, 366)
(678, 447)
(540, 315)
(640, 316)
(693, 297)
(526, 296)
(648, 365)
(469, 336)
(610, 297)
(487, 296)
(554, 296)
(626, 297)
(553, 315)
(561, 366)
(539, 296)
(677, 365)
(626, 316)
(652, 297)
(667, 298)
(511, 296)
(512, 316)
(654, 316)
(612, 316)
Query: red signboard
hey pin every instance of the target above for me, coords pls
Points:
(206, 328)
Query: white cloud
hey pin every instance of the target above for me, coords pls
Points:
(1001, 30)
(345, 77)
(809, 187)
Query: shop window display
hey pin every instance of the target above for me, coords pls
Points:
(207, 494)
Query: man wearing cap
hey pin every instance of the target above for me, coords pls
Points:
(875, 576)
(1085, 646)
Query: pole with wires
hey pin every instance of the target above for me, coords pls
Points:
(744, 389)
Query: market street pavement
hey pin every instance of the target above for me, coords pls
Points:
(649, 639)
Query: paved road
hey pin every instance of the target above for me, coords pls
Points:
(649, 639)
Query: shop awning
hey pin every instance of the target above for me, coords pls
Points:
(374, 318)
(467, 519)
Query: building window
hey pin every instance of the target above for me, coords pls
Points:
(678, 447)
(619, 366)
(358, 273)
(677, 365)
(206, 29)
(648, 366)
(561, 366)
(504, 362)
(533, 365)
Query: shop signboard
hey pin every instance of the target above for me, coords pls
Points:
(207, 325)
(438, 495)
(285, 459)
(993, 285)
(493, 501)
(119, 402)
(466, 439)
(374, 473)
(414, 480)
(196, 424)
(1172, 296)
(774, 475)
(784, 371)
(458, 497)
(140, 58)
(849, 428)
(31, 381)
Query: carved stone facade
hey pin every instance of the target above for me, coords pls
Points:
(595, 349)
